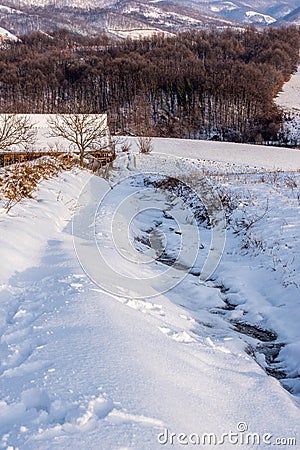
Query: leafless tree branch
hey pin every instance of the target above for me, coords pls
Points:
(16, 130)
(87, 132)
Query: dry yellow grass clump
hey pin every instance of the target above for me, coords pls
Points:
(19, 181)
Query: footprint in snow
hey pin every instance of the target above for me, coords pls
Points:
(74, 282)
(145, 307)
(220, 348)
(59, 418)
(178, 336)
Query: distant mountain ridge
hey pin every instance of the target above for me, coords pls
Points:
(121, 18)
(292, 18)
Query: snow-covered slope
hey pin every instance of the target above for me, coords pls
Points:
(288, 99)
(223, 6)
(254, 16)
(171, 16)
(86, 365)
(8, 10)
(258, 156)
(6, 35)
(119, 18)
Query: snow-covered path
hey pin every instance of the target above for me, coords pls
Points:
(84, 369)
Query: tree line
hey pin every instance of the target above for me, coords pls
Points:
(198, 84)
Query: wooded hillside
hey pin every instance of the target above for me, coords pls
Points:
(207, 84)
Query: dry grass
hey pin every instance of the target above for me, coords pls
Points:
(20, 180)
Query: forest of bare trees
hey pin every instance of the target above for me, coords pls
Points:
(204, 84)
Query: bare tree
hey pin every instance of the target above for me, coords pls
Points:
(85, 132)
(16, 130)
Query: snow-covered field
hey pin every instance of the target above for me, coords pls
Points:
(137, 33)
(245, 155)
(97, 365)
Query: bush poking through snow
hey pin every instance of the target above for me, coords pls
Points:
(19, 181)
(145, 145)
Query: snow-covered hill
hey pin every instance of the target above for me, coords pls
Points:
(121, 18)
(288, 99)
(6, 35)
(256, 17)
(292, 18)
(131, 17)
(91, 365)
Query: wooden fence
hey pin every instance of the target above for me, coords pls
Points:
(8, 158)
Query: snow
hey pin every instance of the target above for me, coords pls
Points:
(288, 99)
(6, 35)
(137, 33)
(45, 142)
(259, 17)
(224, 6)
(256, 156)
(156, 13)
(88, 365)
(6, 9)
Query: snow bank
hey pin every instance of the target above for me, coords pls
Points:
(83, 368)
(29, 224)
